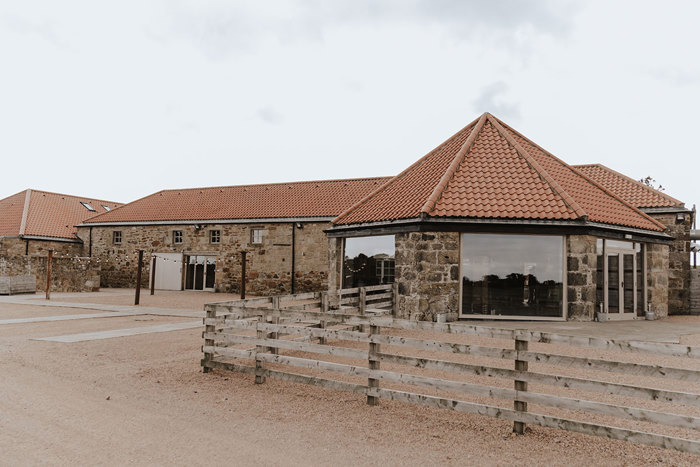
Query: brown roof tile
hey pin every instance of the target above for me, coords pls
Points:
(324, 198)
(632, 191)
(488, 170)
(45, 214)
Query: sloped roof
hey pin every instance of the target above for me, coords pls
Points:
(632, 191)
(487, 170)
(44, 214)
(325, 198)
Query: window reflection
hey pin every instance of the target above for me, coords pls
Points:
(516, 275)
(368, 261)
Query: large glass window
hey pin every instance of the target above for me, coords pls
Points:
(368, 261)
(512, 275)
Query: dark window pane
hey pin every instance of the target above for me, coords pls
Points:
(512, 275)
(368, 261)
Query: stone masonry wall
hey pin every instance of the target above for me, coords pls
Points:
(68, 274)
(679, 262)
(12, 246)
(658, 278)
(695, 291)
(581, 277)
(427, 272)
(268, 266)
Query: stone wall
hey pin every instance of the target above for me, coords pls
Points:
(269, 265)
(679, 262)
(13, 246)
(658, 278)
(427, 272)
(68, 274)
(695, 291)
(581, 277)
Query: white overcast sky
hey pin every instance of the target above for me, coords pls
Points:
(117, 100)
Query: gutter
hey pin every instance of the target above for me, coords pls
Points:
(262, 220)
(356, 230)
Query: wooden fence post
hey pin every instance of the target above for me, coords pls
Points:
(275, 320)
(153, 275)
(324, 310)
(260, 364)
(243, 278)
(208, 328)
(520, 365)
(137, 296)
(373, 364)
(395, 299)
(49, 263)
(362, 305)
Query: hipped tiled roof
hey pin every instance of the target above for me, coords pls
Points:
(632, 191)
(38, 213)
(326, 198)
(487, 170)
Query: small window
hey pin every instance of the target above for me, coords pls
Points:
(177, 236)
(117, 237)
(256, 236)
(215, 236)
(106, 208)
(88, 206)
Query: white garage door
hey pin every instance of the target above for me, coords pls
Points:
(168, 271)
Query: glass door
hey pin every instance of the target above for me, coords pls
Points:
(614, 283)
(200, 273)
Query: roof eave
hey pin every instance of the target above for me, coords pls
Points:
(338, 230)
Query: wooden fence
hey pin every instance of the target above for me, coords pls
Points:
(265, 337)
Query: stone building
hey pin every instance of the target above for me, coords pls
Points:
(490, 225)
(671, 212)
(196, 236)
(33, 222)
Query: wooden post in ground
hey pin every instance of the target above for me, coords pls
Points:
(395, 299)
(260, 364)
(211, 329)
(137, 296)
(153, 275)
(362, 305)
(243, 278)
(324, 310)
(49, 264)
(373, 364)
(520, 365)
(275, 320)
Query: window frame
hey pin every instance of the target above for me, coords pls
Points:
(255, 230)
(117, 234)
(88, 206)
(177, 233)
(565, 273)
(215, 237)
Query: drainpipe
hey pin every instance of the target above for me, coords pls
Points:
(90, 247)
(293, 252)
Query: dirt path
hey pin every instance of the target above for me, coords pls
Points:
(144, 400)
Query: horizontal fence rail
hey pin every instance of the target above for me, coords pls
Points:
(312, 329)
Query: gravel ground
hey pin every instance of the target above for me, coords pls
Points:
(144, 400)
(162, 299)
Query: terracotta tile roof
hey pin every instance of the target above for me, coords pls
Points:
(325, 198)
(45, 214)
(488, 170)
(632, 191)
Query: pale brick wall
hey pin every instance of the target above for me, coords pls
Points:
(268, 265)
